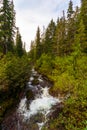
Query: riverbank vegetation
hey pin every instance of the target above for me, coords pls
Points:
(14, 62)
(60, 53)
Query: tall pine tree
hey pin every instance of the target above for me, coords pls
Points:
(49, 38)
(19, 44)
(84, 14)
(32, 52)
(70, 28)
(7, 25)
(38, 44)
(60, 36)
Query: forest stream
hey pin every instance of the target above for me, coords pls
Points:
(35, 107)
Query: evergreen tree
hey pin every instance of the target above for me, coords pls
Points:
(43, 40)
(82, 36)
(49, 38)
(84, 14)
(60, 36)
(70, 10)
(70, 28)
(19, 44)
(38, 44)
(77, 18)
(1, 49)
(7, 25)
(24, 48)
(32, 52)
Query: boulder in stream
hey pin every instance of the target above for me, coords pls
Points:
(29, 95)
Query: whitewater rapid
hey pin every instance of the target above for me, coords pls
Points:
(42, 102)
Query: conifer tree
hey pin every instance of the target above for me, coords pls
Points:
(70, 28)
(82, 37)
(7, 25)
(77, 18)
(70, 10)
(32, 53)
(38, 44)
(84, 14)
(19, 44)
(60, 36)
(49, 38)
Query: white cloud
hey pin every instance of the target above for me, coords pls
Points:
(33, 13)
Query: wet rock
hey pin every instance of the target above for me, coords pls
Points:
(29, 95)
(32, 123)
(33, 90)
(10, 122)
(56, 110)
(38, 118)
(33, 127)
(28, 126)
(35, 81)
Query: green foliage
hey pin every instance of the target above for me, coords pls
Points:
(60, 54)
(65, 36)
(70, 10)
(32, 52)
(14, 73)
(38, 44)
(44, 64)
(49, 38)
(70, 82)
(64, 61)
(13, 69)
(7, 25)
(84, 14)
(60, 37)
(5, 106)
(19, 44)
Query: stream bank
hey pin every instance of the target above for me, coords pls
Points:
(36, 107)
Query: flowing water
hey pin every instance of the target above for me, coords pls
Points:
(33, 114)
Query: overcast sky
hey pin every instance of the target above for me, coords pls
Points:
(33, 13)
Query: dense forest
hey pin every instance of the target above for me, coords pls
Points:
(14, 62)
(59, 53)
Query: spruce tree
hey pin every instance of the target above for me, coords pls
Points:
(60, 36)
(70, 28)
(19, 44)
(49, 38)
(7, 25)
(84, 14)
(38, 44)
(32, 52)
(82, 37)
(70, 10)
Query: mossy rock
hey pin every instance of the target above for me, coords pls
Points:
(37, 118)
(31, 126)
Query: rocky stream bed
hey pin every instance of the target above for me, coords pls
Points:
(36, 107)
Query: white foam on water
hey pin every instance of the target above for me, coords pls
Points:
(31, 78)
(40, 125)
(29, 83)
(40, 78)
(41, 104)
(34, 72)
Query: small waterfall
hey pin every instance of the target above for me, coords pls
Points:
(40, 107)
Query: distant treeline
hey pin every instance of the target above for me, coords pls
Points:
(65, 36)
